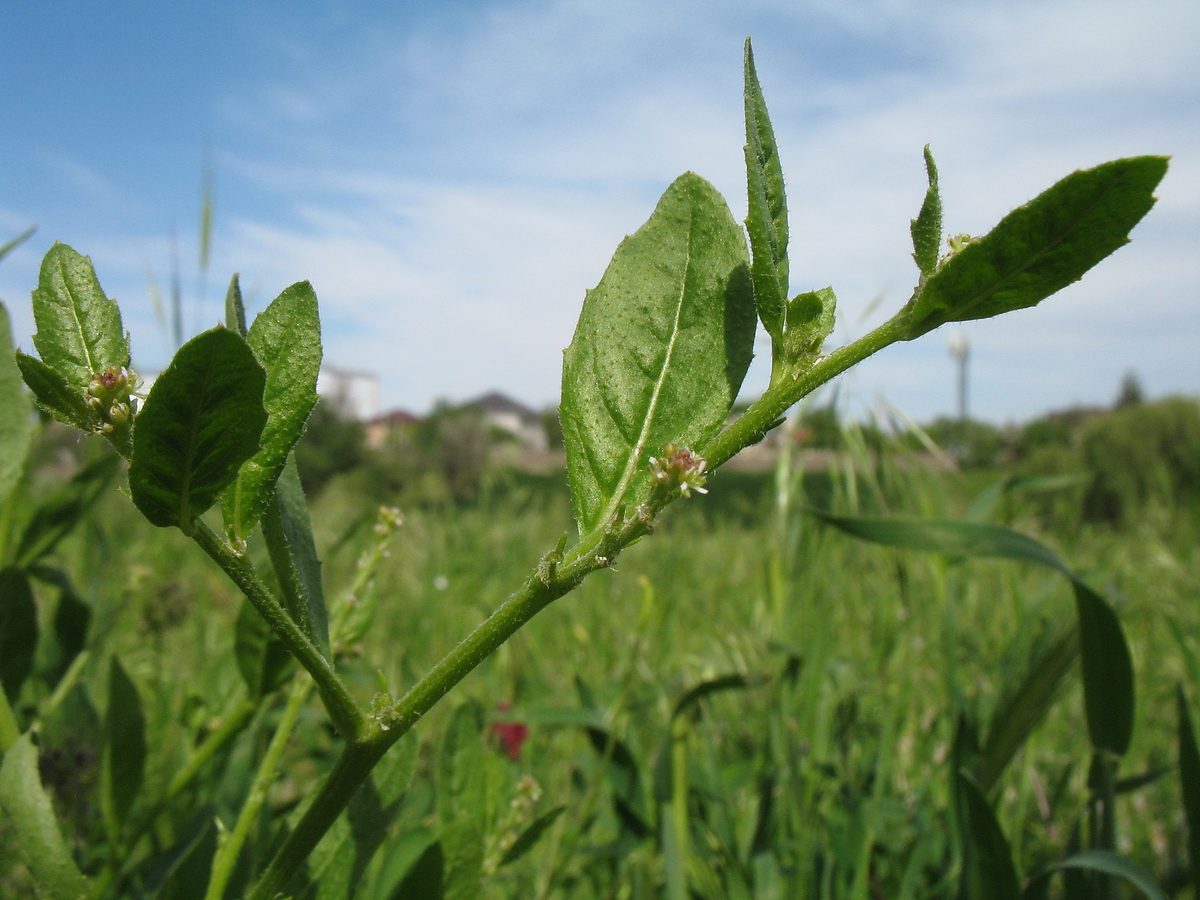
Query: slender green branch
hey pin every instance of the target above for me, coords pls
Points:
(552, 579)
(231, 844)
(767, 410)
(346, 715)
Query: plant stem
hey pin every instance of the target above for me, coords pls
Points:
(598, 549)
(346, 715)
(231, 845)
(766, 412)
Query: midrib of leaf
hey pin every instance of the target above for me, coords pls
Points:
(631, 462)
(87, 350)
(185, 488)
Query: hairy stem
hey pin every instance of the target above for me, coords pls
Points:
(551, 580)
(346, 715)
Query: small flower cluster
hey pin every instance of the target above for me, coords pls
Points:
(956, 243)
(111, 394)
(679, 469)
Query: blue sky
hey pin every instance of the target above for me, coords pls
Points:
(453, 176)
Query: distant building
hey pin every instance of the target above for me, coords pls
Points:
(376, 430)
(351, 394)
(501, 411)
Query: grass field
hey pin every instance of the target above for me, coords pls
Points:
(760, 700)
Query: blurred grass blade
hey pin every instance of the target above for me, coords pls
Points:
(17, 241)
(123, 750)
(1189, 781)
(1040, 248)
(528, 838)
(202, 420)
(79, 331)
(286, 340)
(926, 228)
(990, 874)
(767, 217)
(1105, 862)
(1108, 687)
(293, 553)
(18, 630)
(34, 829)
(660, 350)
(59, 513)
(16, 413)
(1021, 709)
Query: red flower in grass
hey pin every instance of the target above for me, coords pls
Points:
(511, 735)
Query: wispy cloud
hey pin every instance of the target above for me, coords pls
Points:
(453, 178)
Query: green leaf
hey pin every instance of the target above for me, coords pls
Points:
(990, 874)
(286, 339)
(79, 329)
(810, 320)
(262, 659)
(1108, 692)
(528, 838)
(34, 828)
(16, 413)
(461, 784)
(1108, 863)
(53, 394)
(462, 848)
(202, 420)
(1189, 782)
(1108, 686)
(926, 228)
(293, 552)
(1040, 248)
(766, 219)
(426, 879)
(123, 749)
(18, 629)
(66, 506)
(660, 350)
(235, 309)
(1025, 704)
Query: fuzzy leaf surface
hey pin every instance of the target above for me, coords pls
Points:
(55, 395)
(202, 420)
(767, 217)
(34, 826)
(660, 350)
(926, 228)
(1041, 247)
(293, 552)
(79, 329)
(810, 320)
(286, 339)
